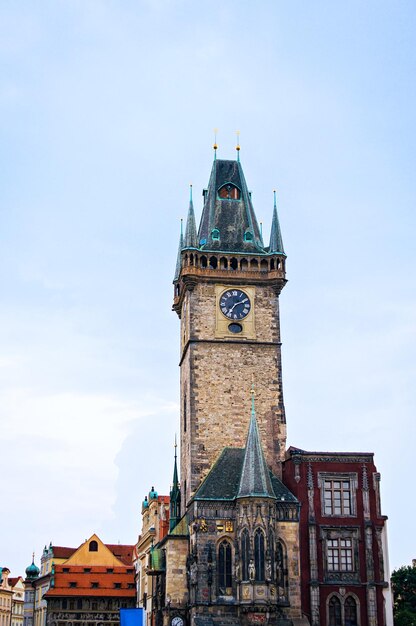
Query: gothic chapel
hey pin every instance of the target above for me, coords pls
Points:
(257, 534)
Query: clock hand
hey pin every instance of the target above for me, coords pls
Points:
(239, 302)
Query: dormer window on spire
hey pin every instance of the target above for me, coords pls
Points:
(229, 192)
(215, 234)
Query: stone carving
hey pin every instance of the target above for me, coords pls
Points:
(251, 570)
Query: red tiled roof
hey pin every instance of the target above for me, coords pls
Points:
(165, 499)
(14, 581)
(62, 553)
(124, 553)
(84, 580)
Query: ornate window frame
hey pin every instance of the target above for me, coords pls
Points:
(225, 562)
(342, 596)
(352, 478)
(341, 575)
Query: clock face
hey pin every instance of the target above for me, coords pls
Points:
(235, 304)
(177, 621)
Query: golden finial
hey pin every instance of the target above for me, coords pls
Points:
(215, 146)
(237, 132)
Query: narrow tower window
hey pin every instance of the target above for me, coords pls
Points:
(224, 569)
(245, 554)
(259, 555)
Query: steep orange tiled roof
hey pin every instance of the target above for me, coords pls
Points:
(14, 581)
(122, 552)
(93, 581)
(61, 552)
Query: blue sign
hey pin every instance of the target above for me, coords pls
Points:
(131, 617)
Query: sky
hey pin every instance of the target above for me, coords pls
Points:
(107, 111)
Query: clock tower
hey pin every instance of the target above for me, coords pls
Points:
(226, 294)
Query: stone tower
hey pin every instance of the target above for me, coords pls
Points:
(226, 294)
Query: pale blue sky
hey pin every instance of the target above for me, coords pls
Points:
(106, 115)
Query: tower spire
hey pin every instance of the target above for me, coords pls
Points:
(255, 475)
(178, 258)
(175, 497)
(191, 238)
(276, 242)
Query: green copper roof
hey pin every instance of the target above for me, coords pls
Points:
(181, 529)
(175, 497)
(178, 258)
(191, 238)
(276, 242)
(255, 475)
(158, 559)
(229, 224)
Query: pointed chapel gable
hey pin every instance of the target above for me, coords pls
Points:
(94, 552)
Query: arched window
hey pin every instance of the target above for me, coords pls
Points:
(335, 612)
(270, 549)
(281, 570)
(213, 262)
(245, 554)
(93, 547)
(215, 234)
(259, 555)
(224, 568)
(350, 612)
(229, 192)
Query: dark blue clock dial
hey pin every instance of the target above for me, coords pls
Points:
(235, 304)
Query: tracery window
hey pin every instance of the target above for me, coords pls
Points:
(259, 555)
(342, 611)
(335, 612)
(224, 568)
(281, 571)
(245, 554)
(350, 612)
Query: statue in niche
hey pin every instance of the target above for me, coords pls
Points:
(251, 570)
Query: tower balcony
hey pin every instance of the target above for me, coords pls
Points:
(228, 268)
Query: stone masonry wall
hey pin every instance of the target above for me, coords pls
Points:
(216, 378)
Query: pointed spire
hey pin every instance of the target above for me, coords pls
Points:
(179, 258)
(175, 497)
(175, 482)
(191, 238)
(228, 209)
(276, 242)
(255, 475)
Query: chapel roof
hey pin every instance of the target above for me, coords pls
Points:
(223, 481)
